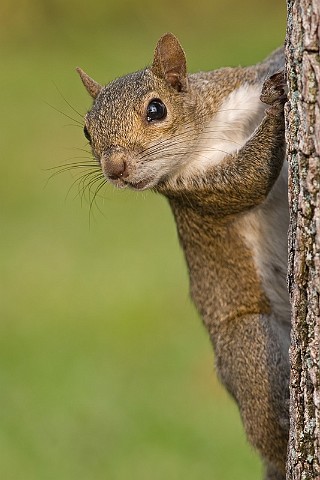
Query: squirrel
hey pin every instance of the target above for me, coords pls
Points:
(213, 144)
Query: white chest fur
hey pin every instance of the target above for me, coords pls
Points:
(264, 230)
(234, 122)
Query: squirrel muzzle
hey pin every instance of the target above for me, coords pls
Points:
(114, 164)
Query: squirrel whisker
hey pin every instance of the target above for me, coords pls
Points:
(67, 102)
(80, 124)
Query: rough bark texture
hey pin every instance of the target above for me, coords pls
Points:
(303, 137)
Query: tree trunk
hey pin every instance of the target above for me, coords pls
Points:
(303, 138)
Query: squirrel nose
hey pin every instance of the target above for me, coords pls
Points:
(116, 169)
(114, 164)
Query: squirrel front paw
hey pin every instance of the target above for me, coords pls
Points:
(274, 89)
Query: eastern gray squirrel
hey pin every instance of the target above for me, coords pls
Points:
(213, 144)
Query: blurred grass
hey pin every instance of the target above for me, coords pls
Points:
(105, 369)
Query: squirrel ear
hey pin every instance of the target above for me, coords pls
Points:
(92, 87)
(169, 62)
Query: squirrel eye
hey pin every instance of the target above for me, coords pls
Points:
(156, 110)
(87, 134)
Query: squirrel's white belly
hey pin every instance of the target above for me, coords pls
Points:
(232, 125)
(265, 232)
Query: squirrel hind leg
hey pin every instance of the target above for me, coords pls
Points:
(255, 370)
(271, 473)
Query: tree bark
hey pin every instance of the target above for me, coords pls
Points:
(303, 139)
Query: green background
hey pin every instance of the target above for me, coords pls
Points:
(105, 369)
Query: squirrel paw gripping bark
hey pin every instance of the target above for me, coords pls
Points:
(274, 89)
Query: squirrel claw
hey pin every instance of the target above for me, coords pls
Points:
(274, 89)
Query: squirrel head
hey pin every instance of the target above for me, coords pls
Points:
(140, 125)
